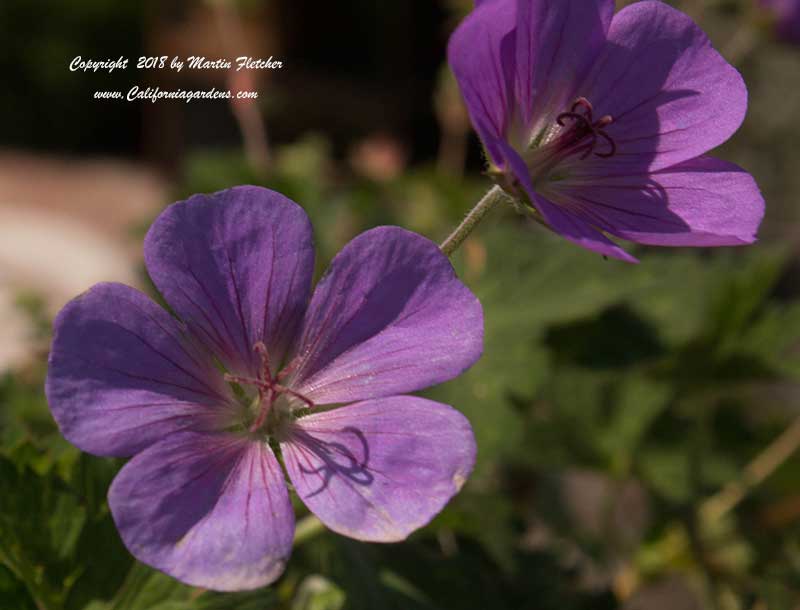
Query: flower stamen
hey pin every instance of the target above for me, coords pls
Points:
(268, 385)
(584, 126)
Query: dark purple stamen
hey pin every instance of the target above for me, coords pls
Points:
(583, 125)
(269, 386)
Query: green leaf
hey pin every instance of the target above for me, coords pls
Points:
(742, 294)
(33, 545)
(638, 402)
(147, 589)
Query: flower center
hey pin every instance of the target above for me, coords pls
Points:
(583, 132)
(272, 415)
(574, 135)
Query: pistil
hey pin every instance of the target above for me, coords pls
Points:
(583, 126)
(578, 139)
(268, 385)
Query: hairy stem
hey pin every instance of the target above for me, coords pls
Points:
(481, 209)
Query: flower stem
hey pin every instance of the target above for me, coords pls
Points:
(481, 209)
(307, 528)
(766, 463)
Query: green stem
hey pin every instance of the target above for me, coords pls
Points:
(483, 207)
(307, 528)
(755, 473)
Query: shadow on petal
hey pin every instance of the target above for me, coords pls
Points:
(377, 470)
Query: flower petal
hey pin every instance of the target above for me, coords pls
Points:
(787, 18)
(210, 510)
(390, 316)
(122, 373)
(557, 43)
(481, 53)
(380, 469)
(518, 62)
(235, 266)
(702, 202)
(559, 218)
(671, 95)
(578, 231)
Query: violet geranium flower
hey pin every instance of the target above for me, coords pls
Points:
(601, 121)
(250, 368)
(787, 18)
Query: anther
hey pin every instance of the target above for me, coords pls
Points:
(604, 122)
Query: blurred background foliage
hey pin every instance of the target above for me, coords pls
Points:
(637, 426)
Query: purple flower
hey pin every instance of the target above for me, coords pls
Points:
(787, 18)
(601, 120)
(250, 367)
